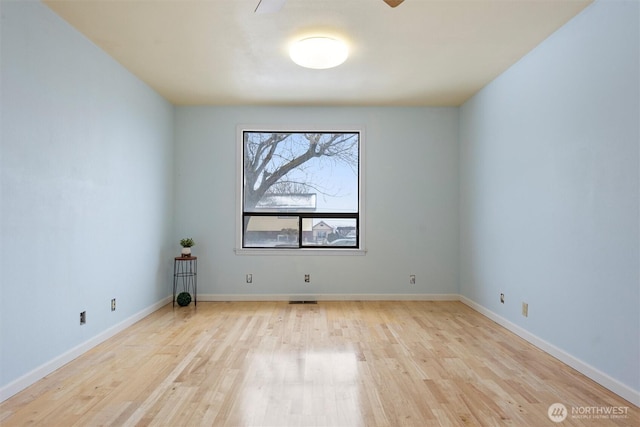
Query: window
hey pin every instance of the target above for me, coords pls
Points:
(300, 190)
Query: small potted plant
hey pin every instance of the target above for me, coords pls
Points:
(186, 246)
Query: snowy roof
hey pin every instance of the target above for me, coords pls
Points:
(306, 201)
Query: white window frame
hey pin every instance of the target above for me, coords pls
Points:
(239, 250)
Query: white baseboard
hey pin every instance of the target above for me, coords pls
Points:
(45, 369)
(328, 297)
(598, 376)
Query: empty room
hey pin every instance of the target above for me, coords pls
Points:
(320, 212)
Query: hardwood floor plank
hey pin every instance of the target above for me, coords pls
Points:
(343, 363)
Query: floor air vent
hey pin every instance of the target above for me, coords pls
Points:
(303, 302)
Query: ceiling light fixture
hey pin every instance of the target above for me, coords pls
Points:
(319, 52)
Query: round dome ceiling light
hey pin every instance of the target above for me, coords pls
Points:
(319, 52)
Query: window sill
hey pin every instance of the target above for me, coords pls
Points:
(301, 252)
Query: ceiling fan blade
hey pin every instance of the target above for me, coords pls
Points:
(393, 3)
(269, 6)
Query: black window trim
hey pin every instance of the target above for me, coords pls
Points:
(358, 249)
(306, 215)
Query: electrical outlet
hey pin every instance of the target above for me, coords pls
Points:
(525, 309)
(113, 304)
(249, 278)
(412, 279)
(83, 317)
(502, 298)
(307, 278)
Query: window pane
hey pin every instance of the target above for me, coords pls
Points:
(271, 231)
(330, 232)
(301, 172)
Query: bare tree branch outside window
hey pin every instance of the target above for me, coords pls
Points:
(293, 163)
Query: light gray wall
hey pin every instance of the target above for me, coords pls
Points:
(550, 188)
(87, 187)
(411, 225)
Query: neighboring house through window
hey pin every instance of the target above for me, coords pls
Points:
(300, 189)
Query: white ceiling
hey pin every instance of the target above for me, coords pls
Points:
(219, 52)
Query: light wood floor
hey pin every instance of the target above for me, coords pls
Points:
(342, 363)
